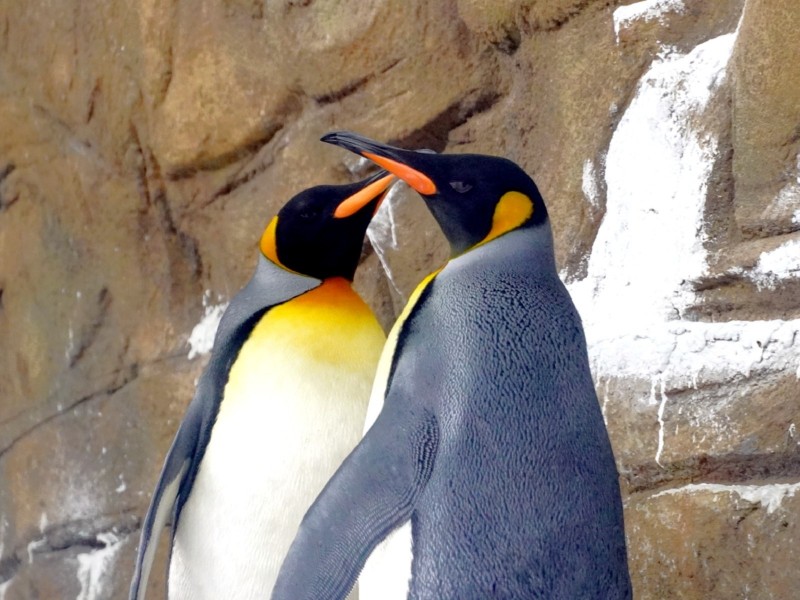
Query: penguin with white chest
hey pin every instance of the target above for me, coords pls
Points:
(280, 404)
(491, 440)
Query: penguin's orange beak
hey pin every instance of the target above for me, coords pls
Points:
(352, 204)
(416, 179)
(392, 159)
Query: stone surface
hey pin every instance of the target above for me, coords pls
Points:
(766, 131)
(145, 146)
(682, 530)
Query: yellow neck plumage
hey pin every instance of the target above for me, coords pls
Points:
(268, 245)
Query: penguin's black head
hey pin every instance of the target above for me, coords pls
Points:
(474, 198)
(321, 230)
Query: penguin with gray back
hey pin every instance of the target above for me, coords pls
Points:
(491, 440)
(279, 405)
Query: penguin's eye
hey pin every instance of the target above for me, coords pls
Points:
(461, 186)
(309, 214)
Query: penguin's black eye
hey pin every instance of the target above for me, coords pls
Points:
(461, 186)
(309, 214)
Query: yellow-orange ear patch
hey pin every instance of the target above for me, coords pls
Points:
(268, 244)
(417, 180)
(513, 209)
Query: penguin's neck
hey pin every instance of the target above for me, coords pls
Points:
(319, 319)
(529, 247)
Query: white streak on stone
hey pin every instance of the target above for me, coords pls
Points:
(34, 546)
(661, 408)
(95, 567)
(382, 231)
(589, 183)
(768, 496)
(648, 10)
(789, 196)
(356, 165)
(42, 522)
(605, 400)
(5, 585)
(70, 344)
(201, 340)
(781, 263)
(382, 234)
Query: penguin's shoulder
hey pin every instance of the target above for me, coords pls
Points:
(270, 287)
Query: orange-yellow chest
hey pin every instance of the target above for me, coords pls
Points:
(325, 337)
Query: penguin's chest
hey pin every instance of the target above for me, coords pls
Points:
(292, 409)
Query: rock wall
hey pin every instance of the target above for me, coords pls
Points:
(144, 145)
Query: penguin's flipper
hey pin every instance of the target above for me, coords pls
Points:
(373, 491)
(165, 497)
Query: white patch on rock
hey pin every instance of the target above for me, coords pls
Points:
(356, 165)
(95, 568)
(201, 340)
(43, 522)
(4, 523)
(768, 496)
(789, 196)
(648, 10)
(657, 168)
(650, 244)
(781, 263)
(651, 238)
(34, 546)
(589, 183)
(687, 354)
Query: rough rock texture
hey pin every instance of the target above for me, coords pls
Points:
(144, 145)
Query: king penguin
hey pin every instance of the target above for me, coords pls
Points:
(280, 404)
(491, 439)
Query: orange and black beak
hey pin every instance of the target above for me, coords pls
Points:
(374, 188)
(408, 165)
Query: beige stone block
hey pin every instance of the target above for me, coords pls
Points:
(714, 542)
(766, 104)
